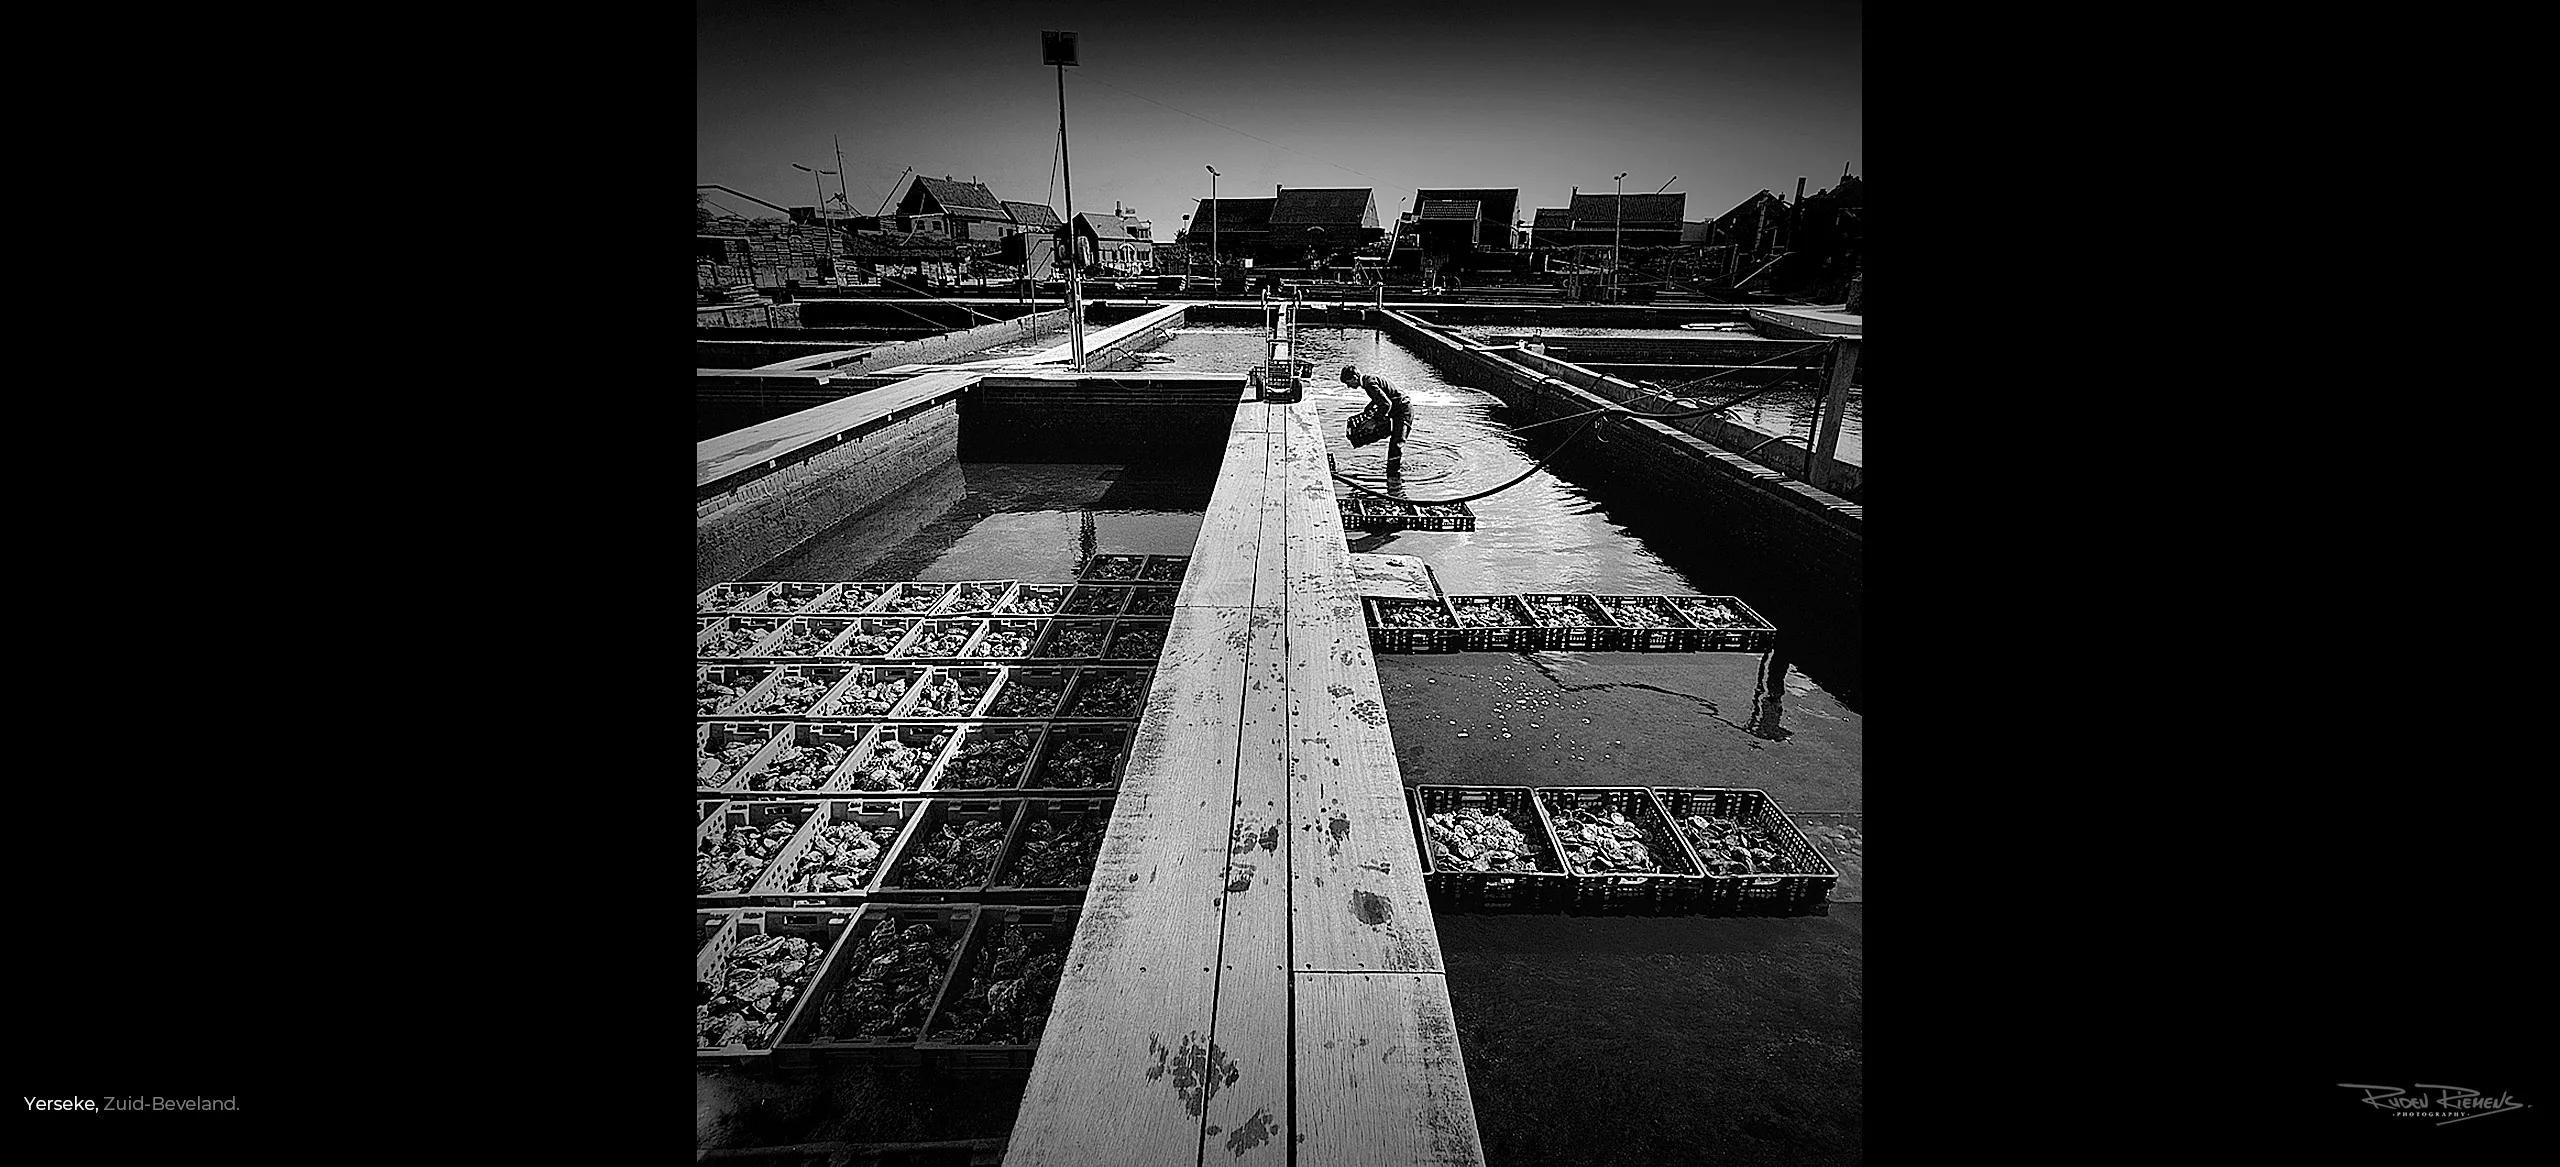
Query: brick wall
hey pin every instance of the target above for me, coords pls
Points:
(771, 514)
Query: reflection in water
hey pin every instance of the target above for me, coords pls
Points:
(999, 520)
(1768, 698)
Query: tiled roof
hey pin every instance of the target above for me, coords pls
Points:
(1325, 207)
(1501, 204)
(1641, 208)
(967, 200)
(1552, 219)
(1033, 215)
(1110, 228)
(1467, 210)
(1234, 215)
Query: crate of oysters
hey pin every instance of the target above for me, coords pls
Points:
(1488, 848)
(1621, 849)
(1756, 861)
(751, 979)
(835, 860)
(1724, 624)
(732, 849)
(876, 990)
(997, 1000)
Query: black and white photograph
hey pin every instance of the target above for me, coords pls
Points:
(1279, 585)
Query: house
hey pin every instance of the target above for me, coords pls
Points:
(1234, 228)
(959, 211)
(1037, 218)
(1754, 229)
(1117, 243)
(1638, 220)
(1324, 220)
(1465, 224)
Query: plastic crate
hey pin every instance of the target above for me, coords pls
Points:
(899, 881)
(1386, 639)
(824, 928)
(848, 699)
(877, 637)
(975, 597)
(1137, 640)
(755, 629)
(804, 637)
(711, 739)
(792, 599)
(932, 740)
(1073, 740)
(1090, 699)
(1067, 639)
(1095, 600)
(731, 597)
(786, 693)
(1165, 568)
(942, 1049)
(850, 598)
(1677, 635)
(1156, 602)
(1377, 514)
(1518, 632)
(1048, 683)
(1112, 569)
(713, 832)
(1032, 599)
(974, 765)
(913, 599)
(1493, 891)
(939, 639)
(1802, 892)
(721, 689)
(975, 683)
(806, 1038)
(1756, 634)
(1672, 889)
(721, 637)
(707, 923)
(1006, 639)
(1599, 636)
(754, 781)
(1080, 814)
(774, 886)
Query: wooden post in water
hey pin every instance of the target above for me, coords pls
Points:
(1835, 402)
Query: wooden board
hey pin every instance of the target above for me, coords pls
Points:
(1400, 577)
(1121, 1073)
(738, 450)
(1356, 877)
(1252, 1027)
(1223, 557)
(1380, 1082)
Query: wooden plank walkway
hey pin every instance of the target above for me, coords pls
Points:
(739, 452)
(1256, 979)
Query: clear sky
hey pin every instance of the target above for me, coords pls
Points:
(1719, 99)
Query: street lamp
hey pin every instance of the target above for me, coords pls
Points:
(1213, 218)
(1615, 232)
(814, 184)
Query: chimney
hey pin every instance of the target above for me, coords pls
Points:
(1799, 189)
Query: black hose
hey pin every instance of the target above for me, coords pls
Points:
(1524, 477)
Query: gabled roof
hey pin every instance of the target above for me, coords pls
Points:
(1850, 193)
(1235, 215)
(965, 200)
(1552, 219)
(1110, 228)
(1500, 204)
(1641, 208)
(1347, 206)
(1465, 210)
(1033, 215)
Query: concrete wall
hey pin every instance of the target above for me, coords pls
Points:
(737, 531)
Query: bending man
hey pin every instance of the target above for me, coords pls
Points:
(1389, 398)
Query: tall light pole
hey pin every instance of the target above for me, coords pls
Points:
(1213, 220)
(816, 185)
(1615, 232)
(1059, 49)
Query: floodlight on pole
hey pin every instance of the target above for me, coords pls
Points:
(1213, 217)
(1616, 231)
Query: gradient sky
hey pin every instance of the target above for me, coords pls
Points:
(1728, 97)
